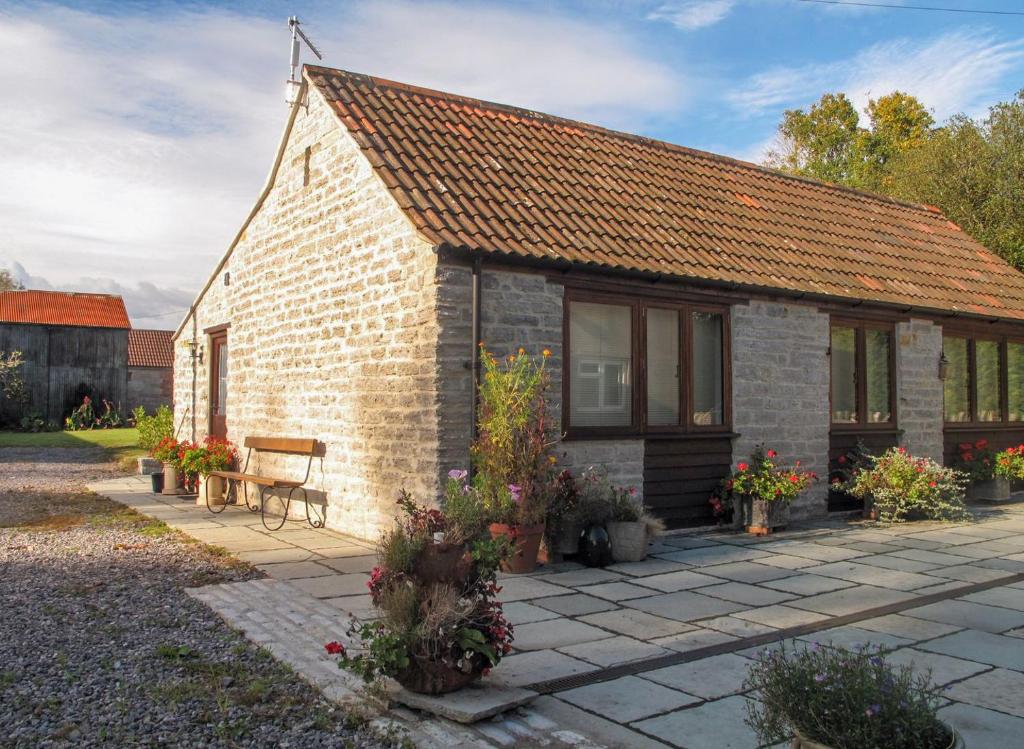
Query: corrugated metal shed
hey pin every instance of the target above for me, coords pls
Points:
(63, 308)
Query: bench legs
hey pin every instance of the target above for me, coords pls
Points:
(261, 508)
(313, 521)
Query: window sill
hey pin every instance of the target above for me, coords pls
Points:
(982, 426)
(585, 436)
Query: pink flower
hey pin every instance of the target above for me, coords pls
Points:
(458, 474)
(516, 491)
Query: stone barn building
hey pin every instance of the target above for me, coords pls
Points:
(71, 343)
(150, 369)
(695, 305)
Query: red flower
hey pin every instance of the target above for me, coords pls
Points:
(981, 444)
(794, 479)
(841, 460)
(771, 453)
(964, 446)
(932, 484)
(335, 648)
(742, 466)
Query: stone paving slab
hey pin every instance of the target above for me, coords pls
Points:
(1000, 689)
(717, 676)
(636, 623)
(614, 651)
(469, 704)
(983, 647)
(780, 616)
(984, 729)
(808, 584)
(574, 604)
(970, 615)
(521, 669)
(851, 600)
(1007, 598)
(673, 582)
(713, 725)
(684, 606)
(616, 591)
(557, 633)
(907, 627)
(748, 595)
(645, 698)
(944, 668)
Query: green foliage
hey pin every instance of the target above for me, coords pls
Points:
(515, 469)
(8, 282)
(902, 487)
(153, 428)
(85, 416)
(12, 383)
(202, 460)
(844, 700)
(397, 550)
(975, 460)
(1010, 463)
(763, 479)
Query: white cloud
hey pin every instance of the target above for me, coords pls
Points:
(692, 14)
(949, 73)
(132, 146)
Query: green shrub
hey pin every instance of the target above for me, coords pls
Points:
(843, 699)
(903, 487)
(153, 428)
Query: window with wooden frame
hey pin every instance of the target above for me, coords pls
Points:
(984, 379)
(862, 363)
(644, 367)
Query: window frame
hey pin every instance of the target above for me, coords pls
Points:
(972, 336)
(860, 359)
(638, 426)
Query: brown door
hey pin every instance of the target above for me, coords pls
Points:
(219, 384)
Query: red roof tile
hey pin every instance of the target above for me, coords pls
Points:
(150, 348)
(63, 308)
(491, 178)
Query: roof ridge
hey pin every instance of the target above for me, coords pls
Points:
(656, 142)
(61, 291)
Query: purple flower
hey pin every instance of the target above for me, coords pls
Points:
(516, 491)
(873, 710)
(820, 678)
(458, 474)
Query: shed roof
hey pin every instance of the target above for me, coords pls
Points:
(490, 178)
(150, 348)
(68, 308)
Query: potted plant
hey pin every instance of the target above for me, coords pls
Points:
(514, 465)
(1010, 468)
(439, 627)
(563, 526)
(832, 698)
(199, 461)
(630, 526)
(166, 451)
(902, 487)
(594, 512)
(762, 491)
(977, 463)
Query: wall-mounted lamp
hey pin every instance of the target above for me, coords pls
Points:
(943, 365)
(195, 350)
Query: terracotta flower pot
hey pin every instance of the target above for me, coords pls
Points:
(424, 676)
(628, 539)
(525, 545)
(444, 563)
(763, 518)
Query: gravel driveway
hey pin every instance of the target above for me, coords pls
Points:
(99, 644)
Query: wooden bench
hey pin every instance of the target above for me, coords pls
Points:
(280, 445)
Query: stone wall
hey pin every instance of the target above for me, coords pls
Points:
(149, 387)
(918, 387)
(332, 312)
(780, 383)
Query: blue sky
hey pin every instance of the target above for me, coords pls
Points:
(150, 125)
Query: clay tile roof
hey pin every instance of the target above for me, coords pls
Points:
(486, 177)
(150, 348)
(63, 308)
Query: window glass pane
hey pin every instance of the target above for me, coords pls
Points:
(1015, 380)
(600, 379)
(877, 343)
(707, 368)
(955, 386)
(986, 390)
(844, 375)
(222, 379)
(662, 367)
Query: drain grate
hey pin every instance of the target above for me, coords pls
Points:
(637, 667)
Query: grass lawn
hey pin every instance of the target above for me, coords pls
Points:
(121, 444)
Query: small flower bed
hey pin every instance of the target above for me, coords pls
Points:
(86, 417)
(213, 454)
(762, 478)
(166, 451)
(976, 461)
(902, 487)
(1010, 463)
(435, 587)
(844, 700)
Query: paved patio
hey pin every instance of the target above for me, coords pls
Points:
(654, 653)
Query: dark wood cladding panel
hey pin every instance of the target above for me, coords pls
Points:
(843, 442)
(680, 474)
(999, 438)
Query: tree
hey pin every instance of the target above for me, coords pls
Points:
(974, 172)
(8, 282)
(827, 142)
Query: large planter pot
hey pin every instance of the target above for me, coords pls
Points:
(568, 540)
(629, 540)
(763, 518)
(993, 490)
(444, 563)
(157, 482)
(595, 547)
(525, 545)
(211, 491)
(424, 676)
(799, 742)
(172, 479)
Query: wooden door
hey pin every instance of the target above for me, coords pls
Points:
(219, 384)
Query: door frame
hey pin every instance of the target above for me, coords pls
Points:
(218, 338)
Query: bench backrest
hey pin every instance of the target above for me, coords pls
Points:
(282, 445)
